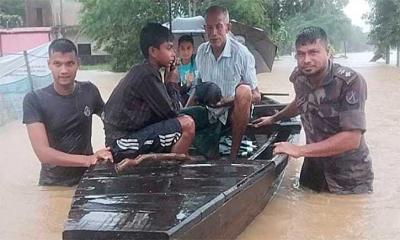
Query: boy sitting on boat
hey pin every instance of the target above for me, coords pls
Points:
(141, 115)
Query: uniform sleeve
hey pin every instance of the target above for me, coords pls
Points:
(249, 71)
(156, 94)
(98, 106)
(352, 105)
(31, 109)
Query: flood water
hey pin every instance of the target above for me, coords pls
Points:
(32, 212)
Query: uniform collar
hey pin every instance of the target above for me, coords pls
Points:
(329, 77)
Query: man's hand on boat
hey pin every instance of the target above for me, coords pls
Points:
(279, 147)
(287, 148)
(263, 121)
(101, 155)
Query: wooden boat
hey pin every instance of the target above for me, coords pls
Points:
(199, 199)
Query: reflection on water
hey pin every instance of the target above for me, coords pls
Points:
(32, 212)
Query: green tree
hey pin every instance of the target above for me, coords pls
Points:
(297, 14)
(385, 22)
(115, 26)
(12, 13)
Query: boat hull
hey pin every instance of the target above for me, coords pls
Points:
(199, 199)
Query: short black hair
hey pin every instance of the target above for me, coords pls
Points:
(218, 9)
(310, 35)
(153, 35)
(185, 38)
(62, 45)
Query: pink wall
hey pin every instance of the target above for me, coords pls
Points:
(17, 40)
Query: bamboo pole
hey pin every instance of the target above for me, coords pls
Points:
(28, 70)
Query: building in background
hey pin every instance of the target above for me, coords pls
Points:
(63, 18)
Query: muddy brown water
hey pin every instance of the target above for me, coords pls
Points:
(32, 212)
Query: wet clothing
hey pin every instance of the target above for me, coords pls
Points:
(158, 137)
(208, 133)
(68, 122)
(139, 100)
(235, 64)
(335, 106)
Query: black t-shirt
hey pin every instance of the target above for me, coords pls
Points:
(68, 122)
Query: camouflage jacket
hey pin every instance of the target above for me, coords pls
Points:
(334, 106)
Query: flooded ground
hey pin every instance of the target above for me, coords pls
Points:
(32, 212)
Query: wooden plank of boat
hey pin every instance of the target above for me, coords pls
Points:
(199, 199)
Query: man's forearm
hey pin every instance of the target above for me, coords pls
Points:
(289, 111)
(52, 156)
(334, 145)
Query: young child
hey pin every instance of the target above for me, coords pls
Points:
(141, 114)
(187, 67)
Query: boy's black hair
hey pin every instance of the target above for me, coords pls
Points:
(62, 45)
(153, 35)
(185, 38)
(310, 35)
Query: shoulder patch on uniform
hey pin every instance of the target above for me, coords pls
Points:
(348, 75)
(352, 97)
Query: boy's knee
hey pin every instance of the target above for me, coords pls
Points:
(187, 124)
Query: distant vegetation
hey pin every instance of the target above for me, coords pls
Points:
(385, 21)
(12, 13)
(115, 25)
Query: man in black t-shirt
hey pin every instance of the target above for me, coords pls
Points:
(141, 114)
(59, 120)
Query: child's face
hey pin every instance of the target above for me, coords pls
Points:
(165, 55)
(185, 50)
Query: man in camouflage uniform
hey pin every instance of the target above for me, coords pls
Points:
(330, 100)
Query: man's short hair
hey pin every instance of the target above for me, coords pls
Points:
(153, 35)
(62, 45)
(310, 35)
(185, 38)
(218, 9)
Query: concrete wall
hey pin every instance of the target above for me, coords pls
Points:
(15, 40)
(70, 12)
(31, 13)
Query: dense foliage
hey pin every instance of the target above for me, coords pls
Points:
(11, 13)
(385, 22)
(115, 25)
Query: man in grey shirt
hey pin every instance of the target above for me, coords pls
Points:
(59, 120)
(231, 66)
